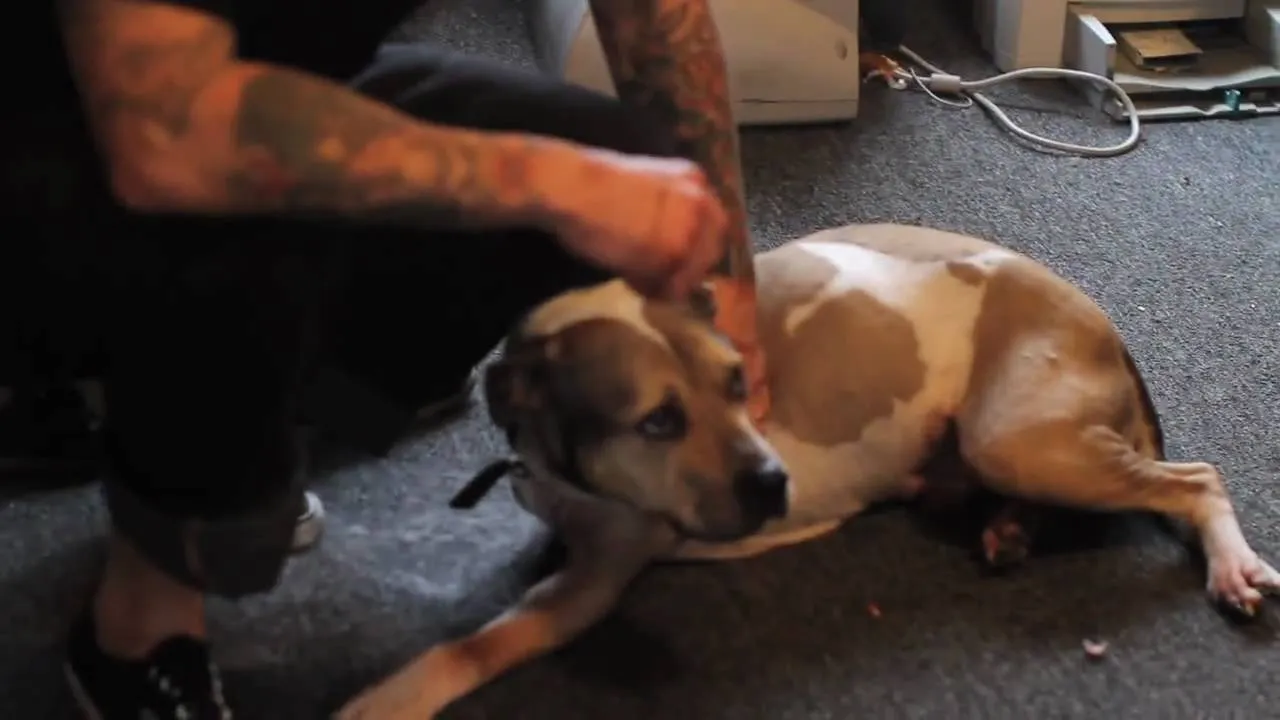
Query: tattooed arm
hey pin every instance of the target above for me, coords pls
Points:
(666, 55)
(186, 127)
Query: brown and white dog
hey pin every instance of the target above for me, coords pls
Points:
(628, 417)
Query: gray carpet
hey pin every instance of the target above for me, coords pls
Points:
(1178, 240)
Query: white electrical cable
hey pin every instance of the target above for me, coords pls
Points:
(945, 83)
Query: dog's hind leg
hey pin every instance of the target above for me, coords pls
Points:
(1091, 466)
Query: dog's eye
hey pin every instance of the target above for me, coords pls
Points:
(665, 422)
(736, 388)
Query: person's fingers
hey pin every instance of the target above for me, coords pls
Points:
(687, 276)
(664, 254)
(707, 246)
(670, 275)
(682, 233)
(691, 274)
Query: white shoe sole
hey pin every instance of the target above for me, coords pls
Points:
(309, 527)
(80, 695)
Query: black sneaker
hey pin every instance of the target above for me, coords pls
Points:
(309, 526)
(177, 681)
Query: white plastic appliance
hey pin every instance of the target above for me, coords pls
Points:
(1175, 58)
(790, 61)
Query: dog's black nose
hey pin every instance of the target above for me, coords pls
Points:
(763, 490)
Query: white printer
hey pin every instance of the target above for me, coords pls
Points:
(1175, 58)
(790, 61)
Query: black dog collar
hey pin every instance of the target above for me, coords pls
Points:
(565, 467)
(483, 482)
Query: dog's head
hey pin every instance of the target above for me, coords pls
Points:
(641, 402)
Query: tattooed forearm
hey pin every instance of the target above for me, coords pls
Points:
(133, 64)
(303, 144)
(187, 127)
(666, 55)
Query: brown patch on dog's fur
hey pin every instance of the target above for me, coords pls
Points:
(828, 385)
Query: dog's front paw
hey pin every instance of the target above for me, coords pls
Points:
(1240, 582)
(407, 695)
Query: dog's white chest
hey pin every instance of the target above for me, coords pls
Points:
(860, 398)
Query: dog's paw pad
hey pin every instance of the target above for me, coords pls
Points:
(1240, 584)
(1005, 544)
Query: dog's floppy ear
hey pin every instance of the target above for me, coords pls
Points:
(505, 390)
(516, 383)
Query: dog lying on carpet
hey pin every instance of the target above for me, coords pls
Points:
(627, 417)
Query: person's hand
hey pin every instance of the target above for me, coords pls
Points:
(653, 221)
(658, 224)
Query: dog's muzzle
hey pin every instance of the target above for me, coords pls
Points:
(763, 491)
